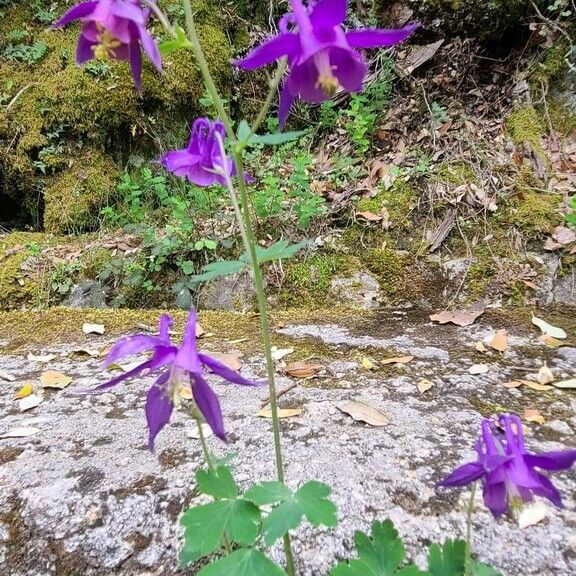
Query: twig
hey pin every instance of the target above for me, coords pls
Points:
(279, 394)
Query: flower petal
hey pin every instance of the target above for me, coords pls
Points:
(75, 13)
(132, 345)
(128, 11)
(151, 48)
(464, 474)
(136, 64)
(496, 497)
(84, 50)
(164, 326)
(560, 460)
(159, 408)
(225, 372)
(328, 13)
(208, 404)
(286, 101)
(277, 47)
(548, 490)
(377, 38)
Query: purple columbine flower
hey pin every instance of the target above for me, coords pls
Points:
(322, 57)
(183, 365)
(201, 162)
(508, 472)
(113, 29)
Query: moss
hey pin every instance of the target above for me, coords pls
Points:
(525, 125)
(562, 117)
(74, 198)
(399, 200)
(94, 261)
(552, 67)
(456, 173)
(533, 213)
(307, 282)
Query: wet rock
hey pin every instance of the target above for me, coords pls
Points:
(360, 291)
(87, 294)
(233, 293)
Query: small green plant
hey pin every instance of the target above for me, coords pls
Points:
(20, 48)
(571, 216)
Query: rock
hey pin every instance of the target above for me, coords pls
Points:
(560, 427)
(87, 294)
(565, 289)
(359, 291)
(233, 293)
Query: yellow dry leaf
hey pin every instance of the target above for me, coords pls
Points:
(424, 385)
(571, 383)
(480, 347)
(398, 360)
(551, 341)
(199, 331)
(364, 413)
(368, 364)
(26, 390)
(53, 379)
(500, 341)
(513, 384)
(282, 412)
(185, 392)
(545, 375)
(536, 385)
(533, 416)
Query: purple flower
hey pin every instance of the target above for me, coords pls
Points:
(321, 56)
(183, 365)
(202, 161)
(509, 473)
(113, 29)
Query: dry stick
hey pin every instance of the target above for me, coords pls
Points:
(279, 394)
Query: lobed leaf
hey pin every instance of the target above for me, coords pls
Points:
(243, 562)
(218, 483)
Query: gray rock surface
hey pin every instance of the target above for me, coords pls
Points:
(362, 291)
(84, 496)
(232, 293)
(87, 294)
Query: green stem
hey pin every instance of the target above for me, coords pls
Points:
(161, 17)
(196, 415)
(468, 553)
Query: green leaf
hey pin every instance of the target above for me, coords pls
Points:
(216, 269)
(243, 130)
(178, 43)
(205, 525)
(243, 563)
(313, 497)
(277, 251)
(448, 560)
(218, 482)
(381, 554)
(484, 570)
(268, 493)
(284, 517)
(277, 138)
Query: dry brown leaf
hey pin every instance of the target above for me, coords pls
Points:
(460, 317)
(424, 385)
(545, 375)
(230, 360)
(571, 383)
(552, 342)
(200, 331)
(531, 415)
(397, 360)
(536, 385)
(302, 369)
(88, 328)
(564, 235)
(364, 413)
(53, 379)
(282, 412)
(370, 216)
(513, 384)
(92, 352)
(500, 341)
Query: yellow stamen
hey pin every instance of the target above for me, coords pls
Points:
(327, 82)
(107, 43)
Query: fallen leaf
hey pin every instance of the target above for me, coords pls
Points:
(545, 375)
(418, 55)
(480, 347)
(551, 341)
(536, 385)
(279, 353)
(88, 328)
(478, 369)
(123, 367)
(53, 379)
(42, 358)
(29, 402)
(364, 413)
(513, 384)
(368, 364)
(461, 317)
(282, 412)
(240, 340)
(302, 369)
(398, 360)
(200, 331)
(195, 432)
(564, 235)
(548, 328)
(92, 352)
(571, 383)
(26, 390)
(22, 432)
(533, 416)
(231, 360)
(532, 513)
(370, 216)
(500, 341)
(424, 385)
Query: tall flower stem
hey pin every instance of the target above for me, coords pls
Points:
(209, 462)
(247, 231)
(468, 552)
